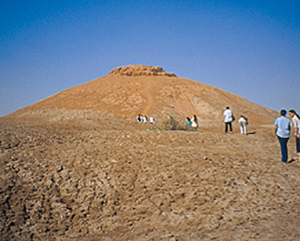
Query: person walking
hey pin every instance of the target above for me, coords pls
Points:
(243, 121)
(228, 119)
(296, 124)
(283, 132)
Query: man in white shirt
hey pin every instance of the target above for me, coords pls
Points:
(283, 132)
(228, 119)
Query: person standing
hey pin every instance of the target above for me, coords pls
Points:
(188, 123)
(145, 119)
(139, 118)
(194, 122)
(228, 119)
(296, 124)
(243, 121)
(151, 120)
(283, 132)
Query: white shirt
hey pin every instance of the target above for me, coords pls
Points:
(242, 120)
(151, 119)
(296, 124)
(194, 123)
(228, 115)
(283, 125)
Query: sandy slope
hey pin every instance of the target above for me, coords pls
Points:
(161, 95)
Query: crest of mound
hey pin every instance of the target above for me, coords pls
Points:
(140, 70)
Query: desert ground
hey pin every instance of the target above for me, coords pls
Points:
(106, 179)
(78, 166)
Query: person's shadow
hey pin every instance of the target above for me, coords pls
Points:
(251, 133)
(291, 161)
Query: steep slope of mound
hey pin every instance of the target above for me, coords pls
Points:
(131, 90)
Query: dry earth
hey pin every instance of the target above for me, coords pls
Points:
(101, 181)
(76, 166)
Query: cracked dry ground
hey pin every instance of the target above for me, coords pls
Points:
(68, 183)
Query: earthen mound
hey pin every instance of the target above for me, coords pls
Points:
(131, 90)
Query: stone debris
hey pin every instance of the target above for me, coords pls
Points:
(140, 70)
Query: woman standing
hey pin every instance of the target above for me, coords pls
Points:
(243, 121)
(283, 132)
(296, 123)
(194, 122)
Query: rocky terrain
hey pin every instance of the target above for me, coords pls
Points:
(140, 70)
(69, 172)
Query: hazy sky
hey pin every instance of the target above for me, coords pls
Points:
(247, 47)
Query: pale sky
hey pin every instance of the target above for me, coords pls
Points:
(250, 48)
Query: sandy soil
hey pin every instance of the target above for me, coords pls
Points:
(103, 179)
(77, 166)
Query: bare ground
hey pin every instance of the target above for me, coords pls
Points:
(127, 181)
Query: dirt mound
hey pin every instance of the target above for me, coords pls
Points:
(129, 91)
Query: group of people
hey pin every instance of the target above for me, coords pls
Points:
(191, 123)
(144, 119)
(284, 129)
(229, 118)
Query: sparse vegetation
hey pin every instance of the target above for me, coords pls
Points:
(172, 124)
